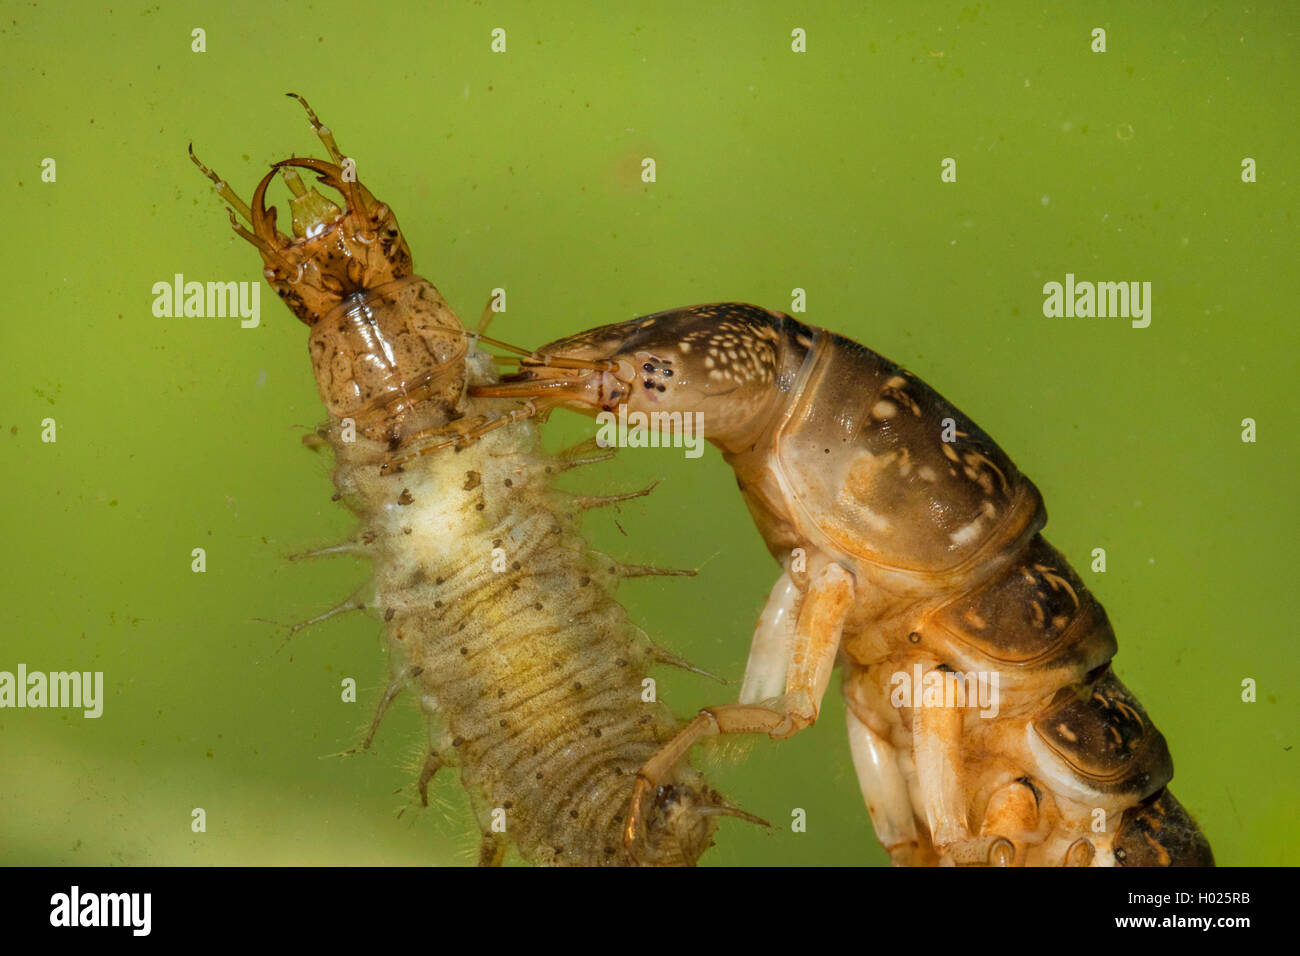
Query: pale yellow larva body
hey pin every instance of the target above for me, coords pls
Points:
(529, 670)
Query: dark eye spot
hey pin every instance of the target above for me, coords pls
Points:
(648, 367)
(660, 387)
(649, 384)
(668, 373)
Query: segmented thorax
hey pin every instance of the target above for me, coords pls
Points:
(385, 353)
(892, 476)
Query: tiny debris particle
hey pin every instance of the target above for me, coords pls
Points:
(472, 479)
(405, 497)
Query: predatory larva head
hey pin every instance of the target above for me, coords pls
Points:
(723, 361)
(334, 252)
(391, 342)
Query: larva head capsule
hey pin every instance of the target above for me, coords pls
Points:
(333, 253)
(383, 340)
(729, 362)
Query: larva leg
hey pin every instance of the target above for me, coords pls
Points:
(769, 654)
(433, 762)
(885, 792)
(441, 748)
(1012, 817)
(711, 721)
(815, 646)
(395, 687)
(810, 662)
(1080, 853)
(1008, 827)
(351, 604)
(347, 547)
(937, 748)
(591, 502)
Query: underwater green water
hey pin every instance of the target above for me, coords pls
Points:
(775, 170)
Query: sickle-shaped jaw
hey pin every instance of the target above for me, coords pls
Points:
(332, 254)
(263, 218)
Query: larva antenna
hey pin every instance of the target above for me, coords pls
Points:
(323, 132)
(223, 189)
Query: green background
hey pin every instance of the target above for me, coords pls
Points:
(776, 170)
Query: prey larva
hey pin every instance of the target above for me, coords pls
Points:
(497, 615)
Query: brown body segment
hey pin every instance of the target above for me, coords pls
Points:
(873, 473)
(847, 461)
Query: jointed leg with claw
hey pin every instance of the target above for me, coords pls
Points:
(807, 660)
